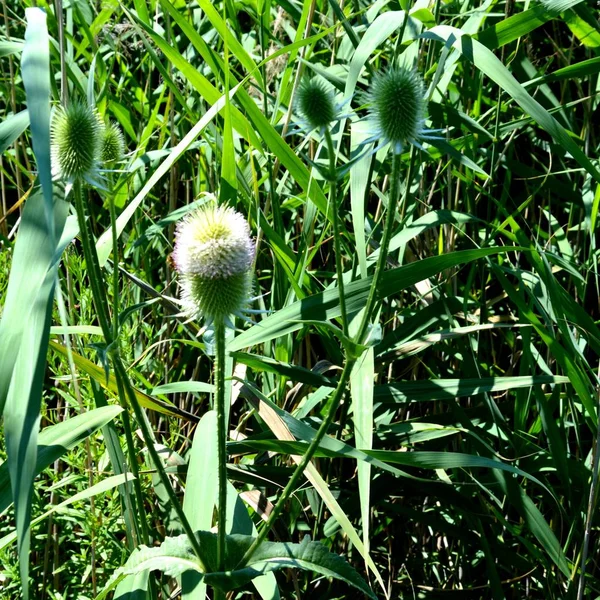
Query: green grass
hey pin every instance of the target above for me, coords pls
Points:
(456, 458)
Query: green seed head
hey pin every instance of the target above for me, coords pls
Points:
(215, 298)
(213, 254)
(75, 137)
(112, 144)
(397, 105)
(315, 103)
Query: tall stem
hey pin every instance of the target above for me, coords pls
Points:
(221, 439)
(115, 245)
(310, 451)
(383, 248)
(337, 247)
(99, 296)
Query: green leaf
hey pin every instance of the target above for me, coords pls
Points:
(25, 324)
(440, 389)
(12, 127)
(8, 47)
(175, 555)
(201, 493)
(325, 306)
(488, 63)
(99, 375)
(55, 440)
(516, 26)
(586, 33)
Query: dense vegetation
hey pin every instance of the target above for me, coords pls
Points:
(423, 321)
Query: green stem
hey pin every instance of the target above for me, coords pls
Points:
(310, 451)
(98, 293)
(121, 374)
(333, 202)
(115, 280)
(93, 265)
(99, 298)
(384, 247)
(221, 439)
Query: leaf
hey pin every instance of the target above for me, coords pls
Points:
(587, 34)
(175, 555)
(325, 306)
(517, 26)
(200, 493)
(55, 440)
(8, 47)
(179, 387)
(25, 324)
(440, 389)
(99, 375)
(488, 63)
(12, 127)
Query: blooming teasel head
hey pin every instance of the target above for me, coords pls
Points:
(213, 255)
(112, 144)
(397, 109)
(75, 142)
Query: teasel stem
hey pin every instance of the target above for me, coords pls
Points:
(372, 300)
(337, 246)
(99, 296)
(221, 439)
(115, 245)
(338, 394)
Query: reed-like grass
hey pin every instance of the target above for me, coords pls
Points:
(417, 385)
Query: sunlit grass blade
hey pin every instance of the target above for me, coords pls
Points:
(201, 493)
(488, 63)
(325, 306)
(55, 440)
(12, 127)
(25, 324)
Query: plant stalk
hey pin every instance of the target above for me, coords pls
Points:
(115, 278)
(383, 248)
(99, 296)
(337, 247)
(221, 439)
(306, 458)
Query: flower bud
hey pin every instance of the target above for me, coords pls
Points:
(397, 106)
(213, 255)
(74, 141)
(315, 103)
(112, 144)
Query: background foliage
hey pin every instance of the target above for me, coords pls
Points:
(462, 462)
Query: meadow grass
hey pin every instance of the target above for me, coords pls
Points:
(415, 385)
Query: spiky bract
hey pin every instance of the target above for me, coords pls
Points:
(112, 144)
(213, 254)
(316, 103)
(75, 137)
(397, 106)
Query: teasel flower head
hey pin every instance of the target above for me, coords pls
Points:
(397, 109)
(213, 255)
(75, 142)
(315, 103)
(112, 144)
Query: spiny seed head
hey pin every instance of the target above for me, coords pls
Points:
(112, 143)
(213, 254)
(315, 103)
(397, 105)
(215, 299)
(75, 133)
